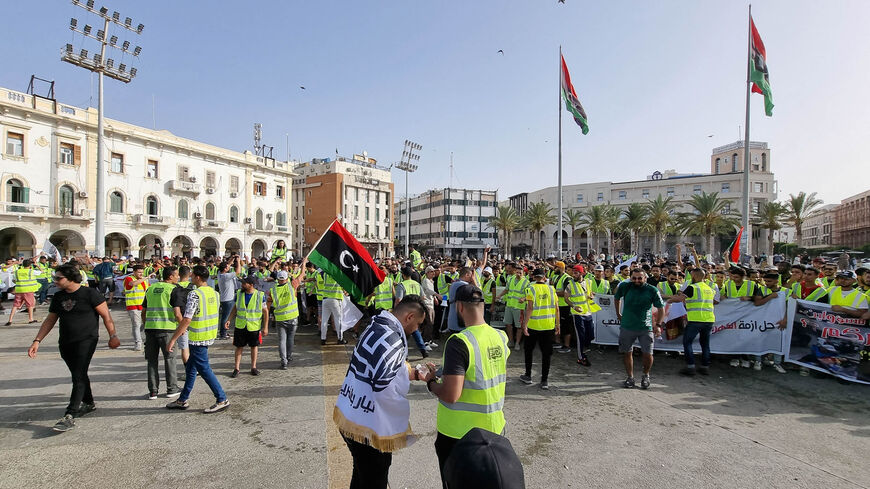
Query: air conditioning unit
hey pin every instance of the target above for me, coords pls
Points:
(83, 195)
(248, 220)
(209, 190)
(191, 179)
(197, 215)
(234, 194)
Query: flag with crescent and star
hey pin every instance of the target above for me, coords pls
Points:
(344, 259)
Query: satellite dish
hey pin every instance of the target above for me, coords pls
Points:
(657, 175)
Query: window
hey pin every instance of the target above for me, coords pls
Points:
(367, 230)
(279, 191)
(669, 192)
(234, 214)
(17, 192)
(377, 214)
(65, 200)
(260, 188)
(355, 211)
(183, 173)
(183, 210)
(386, 197)
(210, 180)
(152, 207)
(726, 188)
(234, 184)
(377, 232)
(622, 195)
(734, 160)
(117, 162)
(756, 207)
(280, 219)
(600, 196)
(367, 214)
(579, 198)
(763, 161)
(151, 169)
(116, 202)
(718, 167)
(377, 197)
(645, 193)
(355, 193)
(757, 187)
(696, 190)
(14, 144)
(209, 211)
(259, 219)
(356, 229)
(726, 209)
(367, 198)
(67, 154)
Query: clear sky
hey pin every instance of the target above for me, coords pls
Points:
(656, 79)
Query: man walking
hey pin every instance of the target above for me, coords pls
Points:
(251, 316)
(581, 315)
(25, 288)
(135, 286)
(333, 295)
(541, 325)
(636, 324)
(282, 298)
(160, 323)
(699, 299)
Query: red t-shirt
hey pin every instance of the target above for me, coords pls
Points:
(806, 290)
(128, 285)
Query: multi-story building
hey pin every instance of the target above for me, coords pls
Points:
(725, 178)
(852, 221)
(449, 221)
(354, 189)
(819, 230)
(165, 195)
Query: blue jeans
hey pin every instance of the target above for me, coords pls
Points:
(584, 332)
(693, 329)
(198, 363)
(418, 338)
(43, 290)
(225, 310)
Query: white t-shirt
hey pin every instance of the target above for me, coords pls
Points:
(227, 285)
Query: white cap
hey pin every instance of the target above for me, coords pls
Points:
(282, 275)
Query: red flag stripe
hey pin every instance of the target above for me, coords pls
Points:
(735, 248)
(566, 79)
(757, 45)
(354, 245)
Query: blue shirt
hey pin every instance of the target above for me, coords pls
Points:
(452, 320)
(104, 270)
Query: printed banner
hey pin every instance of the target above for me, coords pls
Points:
(830, 342)
(741, 327)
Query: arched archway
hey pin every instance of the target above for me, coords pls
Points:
(150, 246)
(17, 242)
(117, 244)
(258, 248)
(181, 246)
(232, 246)
(208, 247)
(68, 242)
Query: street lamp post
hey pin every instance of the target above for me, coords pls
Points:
(100, 65)
(405, 165)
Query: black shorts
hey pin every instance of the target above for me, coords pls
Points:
(242, 337)
(311, 300)
(565, 321)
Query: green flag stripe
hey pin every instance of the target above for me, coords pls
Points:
(578, 116)
(335, 272)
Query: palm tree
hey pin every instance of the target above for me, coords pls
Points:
(770, 216)
(572, 219)
(596, 220)
(710, 216)
(611, 217)
(659, 218)
(538, 216)
(799, 208)
(634, 220)
(506, 221)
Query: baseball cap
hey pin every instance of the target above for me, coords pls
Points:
(579, 268)
(428, 269)
(469, 293)
(599, 268)
(483, 460)
(846, 274)
(487, 270)
(282, 274)
(560, 264)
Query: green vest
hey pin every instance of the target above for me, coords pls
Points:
(835, 297)
(516, 291)
(412, 287)
(384, 295)
(482, 400)
(814, 296)
(416, 260)
(544, 308)
(25, 282)
(667, 289)
(310, 287)
(318, 285)
(332, 289)
(441, 284)
(249, 316)
(284, 302)
(560, 285)
(747, 289)
(204, 324)
(596, 287)
(158, 310)
(699, 308)
(487, 291)
(278, 253)
(136, 295)
(577, 298)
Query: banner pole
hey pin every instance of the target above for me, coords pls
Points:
(746, 157)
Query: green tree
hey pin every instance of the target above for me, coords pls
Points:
(799, 208)
(634, 221)
(660, 216)
(572, 219)
(770, 216)
(507, 221)
(538, 216)
(708, 218)
(596, 220)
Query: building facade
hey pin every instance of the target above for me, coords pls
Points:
(725, 178)
(354, 189)
(165, 195)
(819, 231)
(852, 221)
(449, 221)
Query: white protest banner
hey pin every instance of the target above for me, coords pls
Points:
(829, 342)
(740, 328)
(350, 314)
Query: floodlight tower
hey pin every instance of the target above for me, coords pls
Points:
(100, 65)
(405, 165)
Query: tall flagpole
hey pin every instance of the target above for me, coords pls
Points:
(560, 154)
(746, 162)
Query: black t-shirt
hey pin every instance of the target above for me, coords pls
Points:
(179, 296)
(78, 314)
(455, 357)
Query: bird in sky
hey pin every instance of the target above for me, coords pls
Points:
(710, 136)
(560, 1)
(300, 86)
(501, 52)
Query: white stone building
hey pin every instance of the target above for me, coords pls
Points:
(164, 194)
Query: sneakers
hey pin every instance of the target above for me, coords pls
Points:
(255, 371)
(704, 370)
(235, 373)
(342, 342)
(564, 349)
(584, 361)
(545, 385)
(283, 365)
(526, 379)
(756, 366)
(86, 409)
(427, 347)
(65, 423)
(433, 344)
(322, 342)
(644, 382)
(629, 383)
(170, 395)
(745, 363)
(517, 346)
(689, 371)
(178, 404)
(735, 363)
(218, 406)
(152, 396)
(779, 368)
(510, 344)
(138, 347)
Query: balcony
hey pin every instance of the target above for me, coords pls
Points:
(185, 187)
(22, 208)
(210, 224)
(72, 215)
(281, 229)
(149, 220)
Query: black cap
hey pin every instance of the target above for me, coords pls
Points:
(846, 274)
(469, 293)
(539, 272)
(483, 460)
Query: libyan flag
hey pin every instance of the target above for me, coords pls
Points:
(758, 69)
(345, 260)
(571, 100)
(734, 249)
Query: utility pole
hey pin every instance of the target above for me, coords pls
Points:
(408, 155)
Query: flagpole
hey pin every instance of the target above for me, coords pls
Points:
(320, 238)
(560, 153)
(746, 162)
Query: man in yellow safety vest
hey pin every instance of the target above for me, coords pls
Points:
(251, 316)
(699, 299)
(541, 325)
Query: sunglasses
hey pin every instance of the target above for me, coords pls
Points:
(57, 278)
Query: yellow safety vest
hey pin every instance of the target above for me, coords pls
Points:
(747, 289)
(136, 295)
(516, 291)
(699, 308)
(482, 399)
(544, 307)
(596, 287)
(332, 289)
(249, 315)
(578, 298)
(25, 282)
(667, 289)
(284, 302)
(411, 287)
(158, 310)
(384, 295)
(852, 299)
(560, 283)
(487, 291)
(311, 287)
(204, 324)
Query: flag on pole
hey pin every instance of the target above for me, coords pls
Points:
(571, 100)
(345, 260)
(350, 314)
(734, 249)
(758, 69)
(51, 251)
